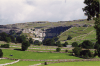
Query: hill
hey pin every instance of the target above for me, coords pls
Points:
(43, 29)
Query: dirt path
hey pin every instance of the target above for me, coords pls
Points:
(9, 63)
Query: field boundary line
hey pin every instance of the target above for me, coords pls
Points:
(9, 63)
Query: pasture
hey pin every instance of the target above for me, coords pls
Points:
(36, 55)
(85, 63)
(3, 61)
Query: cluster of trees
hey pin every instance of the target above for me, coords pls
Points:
(6, 37)
(87, 44)
(82, 53)
(4, 46)
(52, 42)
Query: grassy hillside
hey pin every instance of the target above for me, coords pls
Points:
(50, 24)
(79, 34)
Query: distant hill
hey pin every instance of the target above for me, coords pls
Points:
(43, 29)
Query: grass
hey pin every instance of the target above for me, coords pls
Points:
(3, 61)
(26, 63)
(85, 63)
(75, 31)
(34, 55)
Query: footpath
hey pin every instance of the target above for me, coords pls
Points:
(9, 63)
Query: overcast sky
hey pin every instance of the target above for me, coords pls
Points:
(17, 11)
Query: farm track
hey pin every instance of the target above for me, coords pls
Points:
(9, 63)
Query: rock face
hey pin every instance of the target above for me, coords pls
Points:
(39, 34)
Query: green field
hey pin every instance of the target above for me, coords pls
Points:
(3, 61)
(34, 55)
(79, 34)
(85, 63)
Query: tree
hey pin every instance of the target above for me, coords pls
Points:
(58, 49)
(5, 45)
(66, 43)
(92, 8)
(21, 38)
(25, 45)
(1, 53)
(77, 51)
(92, 11)
(74, 44)
(58, 43)
(69, 37)
(3, 35)
(86, 54)
(8, 39)
(87, 44)
(30, 40)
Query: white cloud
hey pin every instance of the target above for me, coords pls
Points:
(15, 11)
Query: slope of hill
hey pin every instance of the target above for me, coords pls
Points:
(44, 29)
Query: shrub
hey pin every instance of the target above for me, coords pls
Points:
(58, 43)
(86, 54)
(87, 44)
(8, 39)
(49, 42)
(77, 51)
(66, 43)
(69, 37)
(5, 46)
(36, 42)
(74, 44)
(1, 53)
(66, 50)
(58, 49)
(45, 63)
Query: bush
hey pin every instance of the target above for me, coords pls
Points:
(69, 37)
(58, 43)
(66, 50)
(49, 42)
(74, 44)
(5, 46)
(87, 44)
(77, 51)
(1, 53)
(58, 49)
(86, 54)
(66, 43)
(30, 40)
(8, 39)
(45, 63)
(36, 42)
(25, 45)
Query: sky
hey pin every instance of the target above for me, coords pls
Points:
(20, 11)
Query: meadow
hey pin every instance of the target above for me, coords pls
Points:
(85, 63)
(3, 61)
(36, 55)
